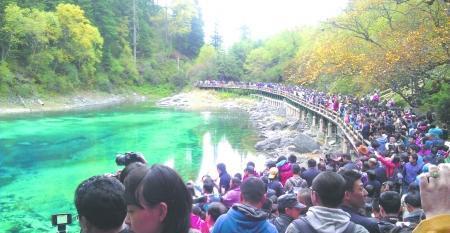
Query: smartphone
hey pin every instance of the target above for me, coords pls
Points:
(61, 219)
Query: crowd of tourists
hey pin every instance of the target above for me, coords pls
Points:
(330, 195)
(399, 182)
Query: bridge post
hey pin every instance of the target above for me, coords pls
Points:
(345, 147)
(313, 124)
(321, 126)
(330, 130)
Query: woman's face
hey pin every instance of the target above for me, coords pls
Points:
(144, 220)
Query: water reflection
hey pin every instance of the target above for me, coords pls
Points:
(223, 152)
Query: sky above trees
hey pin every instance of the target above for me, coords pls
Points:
(264, 17)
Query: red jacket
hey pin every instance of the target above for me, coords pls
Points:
(285, 172)
(390, 166)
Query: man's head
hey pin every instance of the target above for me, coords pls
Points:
(100, 204)
(354, 189)
(372, 162)
(312, 163)
(390, 203)
(289, 205)
(221, 168)
(296, 169)
(292, 158)
(413, 159)
(346, 158)
(412, 201)
(235, 182)
(215, 209)
(328, 189)
(253, 192)
(208, 187)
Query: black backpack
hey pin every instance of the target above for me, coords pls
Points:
(305, 227)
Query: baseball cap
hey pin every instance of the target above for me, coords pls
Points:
(289, 201)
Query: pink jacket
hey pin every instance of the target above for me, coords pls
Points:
(231, 197)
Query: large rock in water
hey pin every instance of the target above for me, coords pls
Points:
(304, 144)
(268, 143)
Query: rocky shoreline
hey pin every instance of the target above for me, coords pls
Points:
(78, 101)
(279, 134)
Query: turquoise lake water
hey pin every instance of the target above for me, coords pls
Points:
(43, 157)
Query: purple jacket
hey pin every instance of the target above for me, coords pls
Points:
(231, 197)
(410, 172)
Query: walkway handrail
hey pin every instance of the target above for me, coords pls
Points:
(352, 135)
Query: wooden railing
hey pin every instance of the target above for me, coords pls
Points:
(352, 135)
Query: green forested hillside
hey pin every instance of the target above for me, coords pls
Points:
(59, 46)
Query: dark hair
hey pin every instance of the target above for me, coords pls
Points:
(215, 209)
(250, 163)
(413, 188)
(390, 201)
(128, 169)
(292, 158)
(296, 168)
(281, 158)
(350, 177)
(415, 157)
(253, 190)
(371, 175)
(100, 200)
(235, 182)
(375, 144)
(413, 199)
(347, 157)
(208, 187)
(161, 184)
(312, 163)
(238, 176)
(221, 167)
(330, 187)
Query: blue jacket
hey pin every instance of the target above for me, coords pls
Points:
(370, 224)
(243, 219)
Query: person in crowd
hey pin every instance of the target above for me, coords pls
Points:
(124, 173)
(215, 210)
(411, 170)
(353, 200)
(100, 205)
(249, 170)
(294, 183)
(208, 196)
(389, 209)
(288, 209)
(304, 197)
(273, 182)
(372, 181)
(285, 168)
(157, 201)
(348, 163)
(233, 195)
(311, 172)
(380, 172)
(387, 186)
(246, 216)
(196, 219)
(414, 207)
(328, 190)
(224, 178)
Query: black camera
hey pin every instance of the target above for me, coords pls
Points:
(129, 157)
(61, 221)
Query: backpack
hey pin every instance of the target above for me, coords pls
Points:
(304, 226)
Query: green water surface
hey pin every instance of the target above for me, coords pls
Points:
(44, 157)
